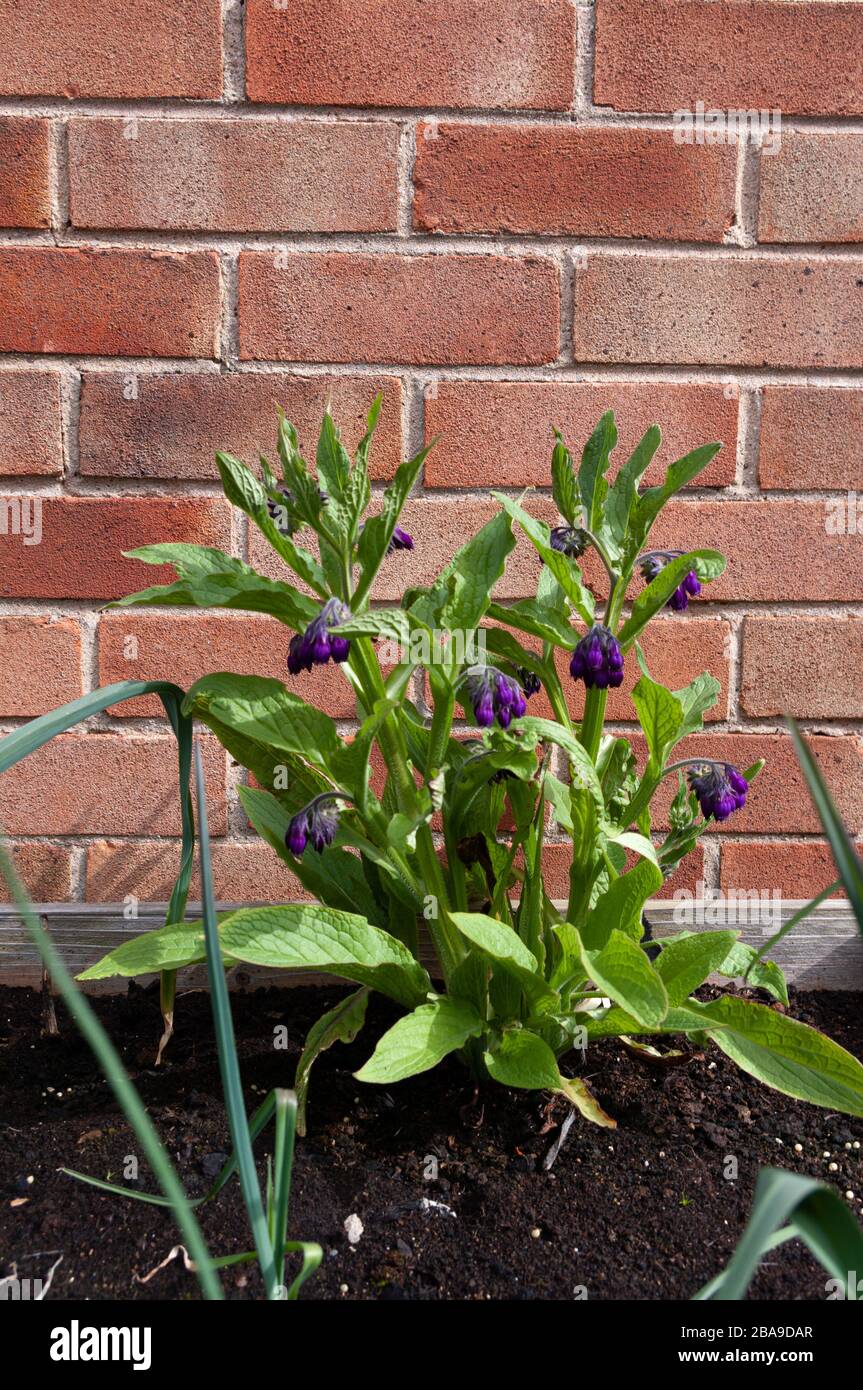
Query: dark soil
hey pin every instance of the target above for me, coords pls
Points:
(642, 1212)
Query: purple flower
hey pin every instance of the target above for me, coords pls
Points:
(318, 644)
(316, 823)
(598, 660)
(719, 787)
(401, 540)
(654, 562)
(569, 540)
(494, 696)
(530, 683)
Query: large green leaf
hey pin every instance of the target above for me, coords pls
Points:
(473, 573)
(166, 948)
(624, 489)
(341, 1024)
(312, 937)
(685, 964)
(525, 1061)
(661, 717)
(378, 530)
(564, 488)
(420, 1040)
(786, 1054)
(504, 946)
(591, 475)
(261, 708)
(741, 962)
(210, 579)
(544, 620)
(623, 972)
(243, 490)
(620, 907)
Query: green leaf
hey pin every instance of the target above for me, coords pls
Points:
(653, 499)
(563, 485)
(594, 462)
(785, 1054)
(165, 948)
(523, 1060)
(707, 564)
(504, 946)
(623, 972)
(341, 1024)
(617, 1023)
(378, 530)
(685, 964)
(637, 844)
(815, 1213)
(473, 573)
(543, 620)
(696, 699)
(311, 937)
(243, 490)
(620, 907)
(661, 717)
(261, 708)
(421, 1040)
(841, 845)
(565, 571)
(624, 489)
(210, 579)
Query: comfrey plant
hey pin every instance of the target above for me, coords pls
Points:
(520, 981)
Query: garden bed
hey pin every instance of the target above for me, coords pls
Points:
(641, 1212)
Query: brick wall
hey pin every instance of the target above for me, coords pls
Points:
(479, 207)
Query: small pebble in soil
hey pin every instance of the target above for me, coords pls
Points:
(353, 1228)
(343, 1288)
(798, 1148)
(832, 1167)
(850, 1195)
(856, 1144)
(536, 1233)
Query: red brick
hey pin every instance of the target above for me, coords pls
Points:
(778, 802)
(261, 175)
(439, 528)
(40, 664)
(776, 551)
(499, 433)
(571, 181)
(125, 303)
(106, 784)
(676, 649)
(795, 423)
(503, 54)
(182, 647)
(315, 307)
(45, 871)
(812, 188)
(80, 553)
(807, 667)
(175, 423)
(740, 309)
(798, 869)
(665, 56)
(78, 48)
(31, 434)
(243, 871)
(25, 200)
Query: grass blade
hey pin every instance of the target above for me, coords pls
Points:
(847, 860)
(286, 1130)
(312, 1255)
(125, 1093)
(228, 1064)
(790, 925)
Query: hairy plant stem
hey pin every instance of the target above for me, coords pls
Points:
(590, 734)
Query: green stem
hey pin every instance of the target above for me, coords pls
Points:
(590, 734)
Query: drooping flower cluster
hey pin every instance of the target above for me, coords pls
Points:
(719, 787)
(319, 644)
(598, 660)
(401, 540)
(655, 561)
(569, 540)
(494, 696)
(530, 682)
(315, 824)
